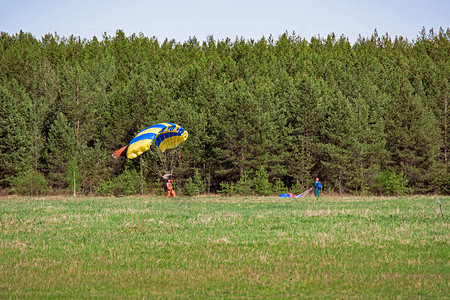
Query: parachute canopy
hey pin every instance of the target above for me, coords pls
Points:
(163, 135)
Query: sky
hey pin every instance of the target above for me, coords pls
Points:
(221, 19)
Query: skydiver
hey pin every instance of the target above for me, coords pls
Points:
(169, 188)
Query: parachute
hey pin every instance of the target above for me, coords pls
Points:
(290, 195)
(165, 136)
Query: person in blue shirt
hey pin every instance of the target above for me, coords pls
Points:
(318, 187)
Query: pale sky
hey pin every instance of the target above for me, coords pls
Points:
(248, 19)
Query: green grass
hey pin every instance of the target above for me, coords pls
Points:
(248, 247)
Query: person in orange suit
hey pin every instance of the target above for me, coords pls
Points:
(169, 188)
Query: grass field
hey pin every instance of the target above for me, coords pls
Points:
(239, 247)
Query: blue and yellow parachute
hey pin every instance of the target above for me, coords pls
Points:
(163, 135)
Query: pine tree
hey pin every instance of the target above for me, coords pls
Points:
(336, 139)
(412, 135)
(15, 142)
(261, 183)
(61, 147)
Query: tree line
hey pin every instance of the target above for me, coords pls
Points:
(367, 118)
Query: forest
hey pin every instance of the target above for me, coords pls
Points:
(263, 116)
